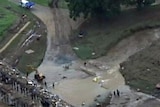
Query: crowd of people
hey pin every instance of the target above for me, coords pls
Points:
(22, 85)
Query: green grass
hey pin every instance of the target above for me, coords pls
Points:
(42, 2)
(7, 18)
(102, 34)
(35, 58)
(62, 4)
(38, 46)
(84, 51)
(142, 70)
(144, 86)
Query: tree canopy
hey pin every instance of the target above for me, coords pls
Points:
(101, 7)
(139, 3)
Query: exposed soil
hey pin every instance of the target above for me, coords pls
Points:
(3, 105)
(141, 70)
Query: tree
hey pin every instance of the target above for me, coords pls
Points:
(102, 7)
(93, 7)
(53, 3)
(139, 3)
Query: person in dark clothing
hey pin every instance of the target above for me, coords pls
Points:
(118, 93)
(45, 83)
(85, 63)
(27, 74)
(114, 93)
(53, 85)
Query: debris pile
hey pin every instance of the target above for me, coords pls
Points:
(19, 91)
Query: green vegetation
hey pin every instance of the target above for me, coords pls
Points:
(141, 71)
(14, 51)
(7, 18)
(58, 4)
(97, 8)
(93, 8)
(42, 2)
(35, 58)
(139, 3)
(11, 19)
(102, 34)
(62, 4)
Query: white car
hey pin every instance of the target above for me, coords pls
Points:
(26, 4)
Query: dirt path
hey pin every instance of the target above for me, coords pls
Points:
(14, 37)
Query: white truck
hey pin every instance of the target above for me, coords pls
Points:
(26, 4)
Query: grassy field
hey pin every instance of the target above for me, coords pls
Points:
(7, 18)
(102, 34)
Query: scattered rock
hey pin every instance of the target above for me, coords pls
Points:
(98, 95)
(138, 89)
(75, 48)
(64, 77)
(93, 53)
(29, 51)
(122, 68)
(148, 69)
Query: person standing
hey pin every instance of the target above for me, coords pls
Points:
(114, 93)
(53, 85)
(118, 93)
(45, 83)
(85, 63)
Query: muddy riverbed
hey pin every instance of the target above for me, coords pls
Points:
(77, 86)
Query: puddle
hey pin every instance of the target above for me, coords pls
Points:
(62, 59)
(77, 91)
